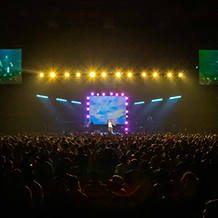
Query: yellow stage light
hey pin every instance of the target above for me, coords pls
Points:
(78, 74)
(155, 74)
(104, 74)
(169, 74)
(67, 74)
(41, 74)
(180, 74)
(52, 74)
(92, 74)
(129, 74)
(118, 74)
(144, 74)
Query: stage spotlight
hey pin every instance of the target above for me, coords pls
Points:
(92, 93)
(88, 103)
(116, 94)
(104, 74)
(103, 94)
(144, 74)
(129, 74)
(127, 98)
(126, 129)
(66, 74)
(41, 74)
(180, 74)
(127, 111)
(111, 93)
(126, 122)
(78, 74)
(52, 74)
(97, 94)
(87, 97)
(92, 74)
(88, 116)
(154, 74)
(118, 74)
(122, 94)
(127, 116)
(169, 74)
(87, 108)
(126, 103)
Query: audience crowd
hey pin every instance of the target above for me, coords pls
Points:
(140, 175)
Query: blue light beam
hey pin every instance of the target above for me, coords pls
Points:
(61, 99)
(140, 102)
(76, 102)
(42, 96)
(156, 100)
(175, 97)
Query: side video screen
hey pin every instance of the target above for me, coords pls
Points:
(208, 67)
(10, 66)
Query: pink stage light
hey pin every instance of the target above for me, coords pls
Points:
(126, 116)
(126, 103)
(87, 103)
(87, 97)
(111, 93)
(127, 111)
(122, 94)
(92, 93)
(97, 94)
(126, 129)
(88, 116)
(87, 108)
(127, 98)
(116, 94)
(126, 122)
(103, 94)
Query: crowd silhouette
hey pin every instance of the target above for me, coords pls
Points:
(141, 175)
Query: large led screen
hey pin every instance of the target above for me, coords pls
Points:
(104, 108)
(208, 67)
(10, 66)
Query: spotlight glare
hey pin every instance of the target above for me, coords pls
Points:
(87, 97)
(92, 93)
(144, 74)
(41, 74)
(122, 94)
(78, 74)
(111, 93)
(104, 74)
(129, 74)
(88, 116)
(126, 103)
(67, 74)
(103, 94)
(116, 94)
(155, 74)
(180, 74)
(169, 74)
(126, 122)
(118, 74)
(52, 74)
(92, 74)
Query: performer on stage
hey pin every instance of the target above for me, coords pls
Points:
(110, 126)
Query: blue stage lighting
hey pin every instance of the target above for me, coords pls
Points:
(41, 96)
(140, 102)
(60, 99)
(76, 102)
(156, 100)
(175, 97)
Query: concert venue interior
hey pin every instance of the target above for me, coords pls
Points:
(73, 72)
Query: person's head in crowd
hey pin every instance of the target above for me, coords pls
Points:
(74, 182)
(117, 183)
(62, 168)
(2, 160)
(124, 159)
(168, 189)
(80, 150)
(16, 176)
(210, 210)
(134, 164)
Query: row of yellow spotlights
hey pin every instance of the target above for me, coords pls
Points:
(118, 74)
